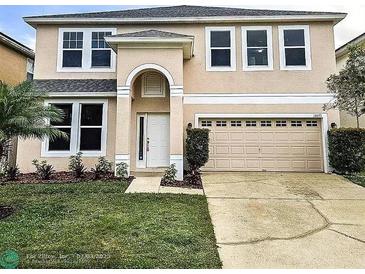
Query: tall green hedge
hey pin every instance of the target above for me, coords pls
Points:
(347, 149)
(197, 148)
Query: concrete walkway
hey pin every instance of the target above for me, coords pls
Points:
(287, 220)
(152, 185)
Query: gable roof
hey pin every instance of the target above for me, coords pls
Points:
(184, 13)
(15, 45)
(344, 48)
(151, 34)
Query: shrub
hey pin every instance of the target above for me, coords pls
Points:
(122, 170)
(169, 176)
(347, 149)
(103, 167)
(197, 148)
(76, 165)
(44, 170)
(11, 172)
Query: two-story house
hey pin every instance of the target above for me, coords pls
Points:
(131, 81)
(16, 66)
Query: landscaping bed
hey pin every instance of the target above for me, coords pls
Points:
(97, 225)
(64, 177)
(190, 181)
(358, 179)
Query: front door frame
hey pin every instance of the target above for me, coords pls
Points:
(141, 159)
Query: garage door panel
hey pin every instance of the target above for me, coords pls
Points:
(265, 145)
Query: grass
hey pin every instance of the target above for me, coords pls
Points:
(97, 225)
(358, 179)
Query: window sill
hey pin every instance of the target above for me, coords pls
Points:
(258, 68)
(220, 69)
(94, 69)
(64, 154)
(296, 68)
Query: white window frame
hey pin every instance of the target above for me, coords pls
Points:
(86, 51)
(208, 49)
(270, 62)
(307, 45)
(76, 129)
(162, 82)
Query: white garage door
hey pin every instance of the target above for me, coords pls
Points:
(264, 144)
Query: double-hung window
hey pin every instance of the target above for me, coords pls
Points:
(220, 49)
(100, 51)
(257, 48)
(84, 122)
(294, 45)
(85, 50)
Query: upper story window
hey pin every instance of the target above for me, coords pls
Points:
(85, 50)
(220, 49)
(100, 53)
(257, 48)
(30, 69)
(294, 48)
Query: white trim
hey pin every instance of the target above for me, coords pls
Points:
(75, 129)
(81, 94)
(245, 65)
(269, 99)
(123, 91)
(178, 160)
(86, 50)
(140, 68)
(176, 91)
(336, 17)
(322, 116)
(141, 163)
(308, 62)
(208, 48)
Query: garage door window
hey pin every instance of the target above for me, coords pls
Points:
(206, 123)
(221, 123)
(236, 123)
(281, 123)
(312, 123)
(250, 123)
(296, 123)
(265, 123)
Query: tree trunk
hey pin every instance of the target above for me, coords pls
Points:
(357, 121)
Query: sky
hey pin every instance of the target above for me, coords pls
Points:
(12, 24)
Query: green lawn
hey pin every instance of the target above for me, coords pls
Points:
(96, 225)
(358, 179)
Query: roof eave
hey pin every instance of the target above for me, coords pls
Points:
(335, 18)
(343, 50)
(17, 47)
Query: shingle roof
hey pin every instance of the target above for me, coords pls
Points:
(152, 34)
(76, 85)
(355, 41)
(17, 46)
(183, 11)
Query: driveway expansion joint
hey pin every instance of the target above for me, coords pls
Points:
(346, 235)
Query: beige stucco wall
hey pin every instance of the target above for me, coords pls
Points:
(30, 149)
(196, 78)
(13, 66)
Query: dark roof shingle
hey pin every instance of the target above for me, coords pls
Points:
(183, 11)
(152, 34)
(76, 85)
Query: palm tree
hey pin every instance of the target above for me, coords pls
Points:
(24, 114)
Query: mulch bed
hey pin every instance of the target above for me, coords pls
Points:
(63, 177)
(6, 211)
(190, 181)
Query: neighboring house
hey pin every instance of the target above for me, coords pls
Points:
(131, 81)
(16, 66)
(346, 119)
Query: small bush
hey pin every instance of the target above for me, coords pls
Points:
(122, 170)
(347, 149)
(169, 176)
(103, 167)
(197, 148)
(76, 165)
(44, 170)
(11, 173)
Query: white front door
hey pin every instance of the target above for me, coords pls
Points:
(158, 140)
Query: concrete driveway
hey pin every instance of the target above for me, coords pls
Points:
(287, 220)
